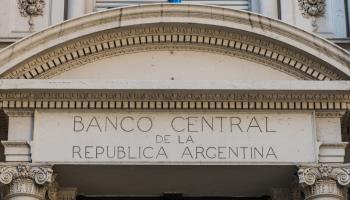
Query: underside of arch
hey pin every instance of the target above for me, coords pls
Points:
(99, 43)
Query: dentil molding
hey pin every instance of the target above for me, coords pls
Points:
(184, 100)
(169, 27)
(172, 37)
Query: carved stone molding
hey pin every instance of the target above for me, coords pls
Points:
(185, 100)
(25, 180)
(31, 8)
(324, 181)
(332, 152)
(313, 9)
(325, 188)
(17, 150)
(173, 37)
(330, 114)
(65, 43)
(19, 113)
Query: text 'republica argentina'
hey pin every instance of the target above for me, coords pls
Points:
(182, 130)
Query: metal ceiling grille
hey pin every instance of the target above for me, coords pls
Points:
(236, 4)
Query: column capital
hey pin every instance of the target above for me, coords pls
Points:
(308, 175)
(25, 180)
(324, 181)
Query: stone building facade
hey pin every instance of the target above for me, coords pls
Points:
(190, 100)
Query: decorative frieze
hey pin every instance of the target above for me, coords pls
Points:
(25, 180)
(31, 8)
(63, 47)
(324, 181)
(173, 100)
(172, 37)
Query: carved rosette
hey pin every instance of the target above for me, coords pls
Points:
(31, 8)
(324, 181)
(25, 180)
(313, 9)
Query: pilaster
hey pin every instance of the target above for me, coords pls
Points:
(55, 192)
(24, 181)
(291, 193)
(324, 182)
(67, 193)
(17, 150)
(329, 135)
(281, 193)
(20, 133)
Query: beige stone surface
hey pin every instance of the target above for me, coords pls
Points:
(174, 65)
(337, 59)
(214, 63)
(173, 138)
(244, 85)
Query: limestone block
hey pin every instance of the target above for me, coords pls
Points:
(17, 151)
(332, 153)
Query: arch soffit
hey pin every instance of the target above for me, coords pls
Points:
(171, 27)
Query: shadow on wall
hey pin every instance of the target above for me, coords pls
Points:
(346, 135)
(3, 133)
(173, 197)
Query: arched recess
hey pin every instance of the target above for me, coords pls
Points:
(174, 27)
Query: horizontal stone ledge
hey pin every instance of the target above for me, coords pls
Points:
(209, 85)
(175, 94)
(177, 105)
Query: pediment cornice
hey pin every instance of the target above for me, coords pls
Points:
(176, 95)
(173, 27)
